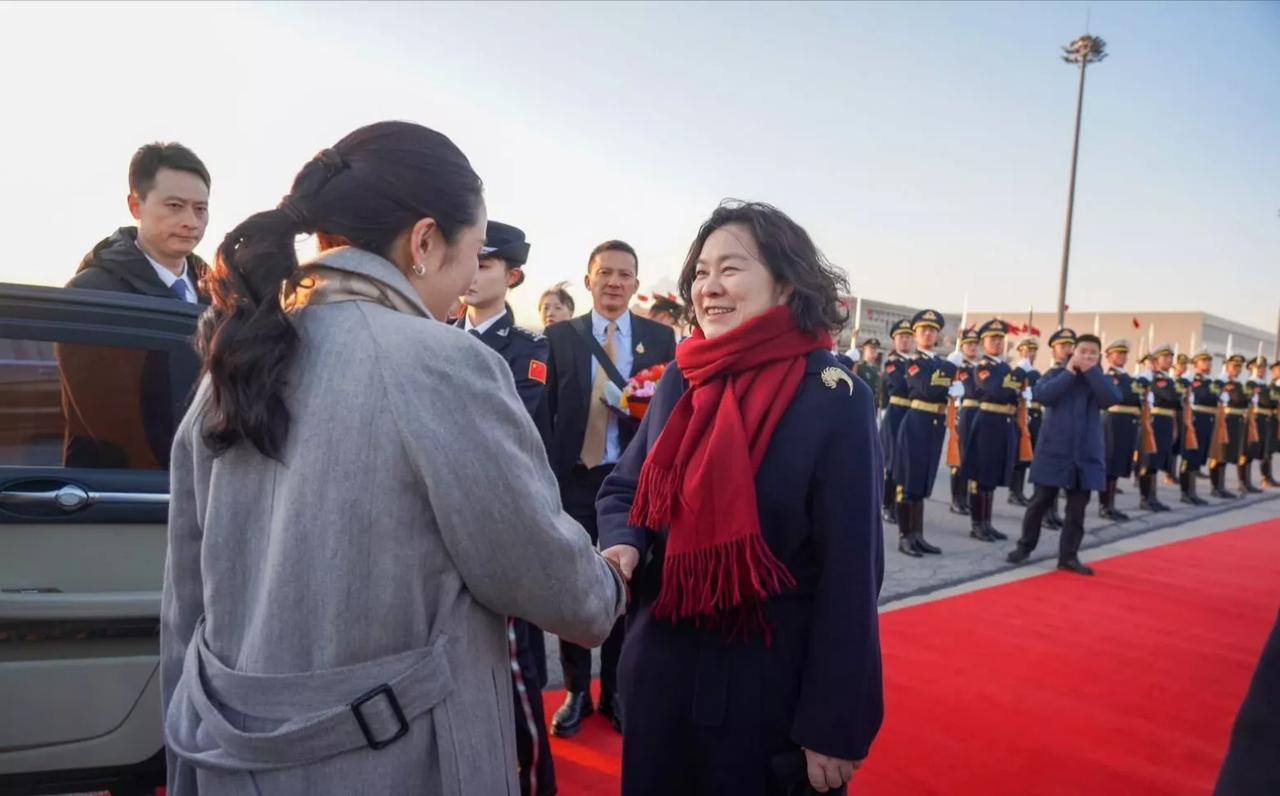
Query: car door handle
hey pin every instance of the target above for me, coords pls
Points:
(71, 498)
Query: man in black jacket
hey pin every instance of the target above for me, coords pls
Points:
(587, 438)
(169, 198)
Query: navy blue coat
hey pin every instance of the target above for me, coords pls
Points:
(991, 444)
(1120, 429)
(894, 385)
(818, 685)
(917, 451)
(1071, 453)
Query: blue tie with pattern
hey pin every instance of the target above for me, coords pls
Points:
(179, 289)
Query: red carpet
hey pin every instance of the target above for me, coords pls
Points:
(1122, 684)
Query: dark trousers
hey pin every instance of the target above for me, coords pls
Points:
(578, 492)
(1072, 523)
(533, 748)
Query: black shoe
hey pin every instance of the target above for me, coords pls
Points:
(1074, 565)
(568, 719)
(1018, 555)
(1115, 515)
(959, 507)
(1160, 506)
(923, 546)
(1052, 523)
(1018, 499)
(994, 534)
(1250, 489)
(1222, 494)
(608, 705)
(981, 534)
(890, 515)
(906, 547)
(1188, 499)
(1119, 491)
(1150, 504)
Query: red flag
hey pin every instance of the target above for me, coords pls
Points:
(1136, 325)
(1035, 332)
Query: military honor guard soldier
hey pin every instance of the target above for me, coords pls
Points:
(1273, 390)
(1166, 414)
(1261, 433)
(1203, 398)
(488, 317)
(1120, 427)
(1181, 362)
(992, 443)
(918, 448)
(1027, 348)
(867, 367)
(1235, 400)
(965, 358)
(894, 402)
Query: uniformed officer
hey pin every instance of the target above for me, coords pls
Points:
(993, 440)
(1203, 397)
(1120, 427)
(1181, 383)
(1258, 448)
(894, 402)
(867, 367)
(1268, 476)
(1235, 400)
(965, 358)
(489, 317)
(1166, 413)
(1062, 344)
(918, 448)
(1027, 349)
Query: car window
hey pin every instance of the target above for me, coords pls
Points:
(74, 404)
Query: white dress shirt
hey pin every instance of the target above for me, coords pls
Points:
(623, 358)
(169, 278)
(484, 325)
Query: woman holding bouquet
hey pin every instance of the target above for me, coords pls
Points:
(746, 514)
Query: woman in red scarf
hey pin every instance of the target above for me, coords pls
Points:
(746, 514)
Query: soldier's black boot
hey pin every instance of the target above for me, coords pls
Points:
(1016, 495)
(917, 525)
(1184, 482)
(1155, 494)
(1189, 495)
(1113, 513)
(890, 509)
(959, 490)
(906, 537)
(1246, 479)
(1267, 480)
(977, 523)
(1147, 487)
(988, 501)
(1217, 476)
(1052, 519)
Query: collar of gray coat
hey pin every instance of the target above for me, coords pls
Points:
(369, 265)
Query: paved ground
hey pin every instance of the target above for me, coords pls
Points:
(966, 561)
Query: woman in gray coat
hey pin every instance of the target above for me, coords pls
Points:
(359, 501)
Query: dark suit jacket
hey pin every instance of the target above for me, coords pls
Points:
(117, 264)
(818, 489)
(1071, 453)
(1252, 767)
(569, 375)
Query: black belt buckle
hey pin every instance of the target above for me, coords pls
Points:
(382, 690)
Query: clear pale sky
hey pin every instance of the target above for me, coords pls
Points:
(924, 146)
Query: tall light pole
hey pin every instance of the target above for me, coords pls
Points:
(1083, 51)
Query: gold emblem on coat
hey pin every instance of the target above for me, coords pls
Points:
(940, 379)
(1011, 382)
(640, 348)
(833, 376)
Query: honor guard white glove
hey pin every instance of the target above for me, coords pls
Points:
(956, 390)
(1026, 394)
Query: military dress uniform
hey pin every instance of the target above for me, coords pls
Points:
(991, 449)
(1203, 397)
(1273, 437)
(1182, 383)
(917, 450)
(868, 371)
(526, 354)
(894, 402)
(1236, 400)
(1166, 413)
(1028, 348)
(965, 410)
(1264, 411)
(1121, 427)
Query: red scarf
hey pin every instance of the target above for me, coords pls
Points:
(698, 481)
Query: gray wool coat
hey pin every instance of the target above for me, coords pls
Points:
(413, 511)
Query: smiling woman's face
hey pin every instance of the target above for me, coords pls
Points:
(731, 284)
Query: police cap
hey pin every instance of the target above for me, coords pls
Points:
(505, 241)
(927, 319)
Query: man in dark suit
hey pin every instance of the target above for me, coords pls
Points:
(586, 438)
(169, 198)
(1072, 454)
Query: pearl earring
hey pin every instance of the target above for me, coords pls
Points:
(420, 269)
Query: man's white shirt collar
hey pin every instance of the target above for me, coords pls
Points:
(168, 276)
(600, 324)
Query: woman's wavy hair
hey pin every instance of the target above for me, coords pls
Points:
(791, 257)
(365, 191)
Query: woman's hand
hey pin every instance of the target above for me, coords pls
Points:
(828, 773)
(625, 557)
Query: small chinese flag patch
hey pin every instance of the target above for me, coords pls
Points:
(538, 371)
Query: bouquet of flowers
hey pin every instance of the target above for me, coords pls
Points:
(633, 401)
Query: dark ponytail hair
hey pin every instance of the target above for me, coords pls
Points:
(366, 191)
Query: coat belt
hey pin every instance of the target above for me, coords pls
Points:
(1232, 410)
(926, 406)
(1034, 406)
(1163, 412)
(321, 713)
(1204, 410)
(1264, 412)
(898, 400)
(970, 403)
(1001, 409)
(1124, 410)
